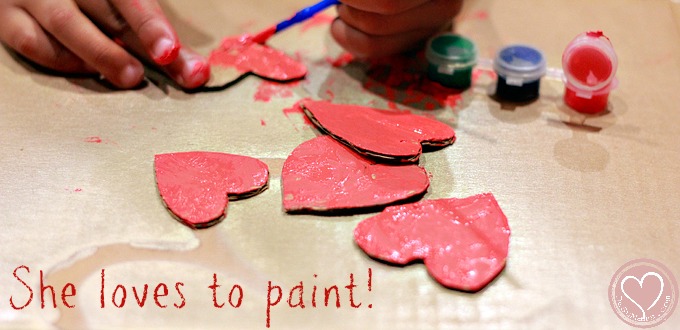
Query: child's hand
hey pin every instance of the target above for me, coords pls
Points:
(374, 28)
(77, 36)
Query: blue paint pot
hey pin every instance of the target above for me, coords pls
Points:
(519, 69)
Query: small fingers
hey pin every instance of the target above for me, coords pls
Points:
(23, 34)
(187, 68)
(364, 45)
(190, 70)
(386, 27)
(156, 34)
(384, 7)
(430, 15)
(75, 31)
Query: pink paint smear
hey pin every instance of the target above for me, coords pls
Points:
(98, 140)
(480, 15)
(401, 80)
(340, 61)
(268, 89)
(296, 109)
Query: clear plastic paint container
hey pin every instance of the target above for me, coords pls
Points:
(451, 58)
(519, 69)
(589, 63)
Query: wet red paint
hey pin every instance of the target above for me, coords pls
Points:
(196, 186)
(478, 73)
(463, 242)
(480, 15)
(323, 175)
(268, 89)
(168, 56)
(78, 190)
(263, 36)
(340, 61)
(93, 139)
(590, 66)
(200, 73)
(317, 20)
(402, 80)
(296, 109)
(246, 56)
(330, 94)
(379, 133)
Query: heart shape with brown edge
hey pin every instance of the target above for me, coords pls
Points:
(238, 56)
(196, 186)
(323, 176)
(462, 242)
(386, 135)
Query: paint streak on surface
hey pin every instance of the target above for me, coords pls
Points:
(266, 90)
(340, 61)
(401, 80)
(297, 109)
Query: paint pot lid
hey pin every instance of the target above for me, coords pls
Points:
(453, 50)
(519, 64)
(589, 62)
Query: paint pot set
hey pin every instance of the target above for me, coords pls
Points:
(451, 58)
(589, 65)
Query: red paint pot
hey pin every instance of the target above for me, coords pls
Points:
(589, 64)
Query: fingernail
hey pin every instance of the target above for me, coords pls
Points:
(164, 51)
(131, 75)
(196, 74)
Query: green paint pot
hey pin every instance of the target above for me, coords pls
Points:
(451, 58)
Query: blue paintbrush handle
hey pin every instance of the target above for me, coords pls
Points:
(306, 13)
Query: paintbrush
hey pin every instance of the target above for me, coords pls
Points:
(300, 16)
(227, 73)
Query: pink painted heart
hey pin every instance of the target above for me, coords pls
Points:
(240, 55)
(323, 175)
(196, 186)
(378, 133)
(463, 242)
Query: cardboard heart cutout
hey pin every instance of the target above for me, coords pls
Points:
(463, 242)
(322, 175)
(387, 135)
(239, 56)
(196, 186)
